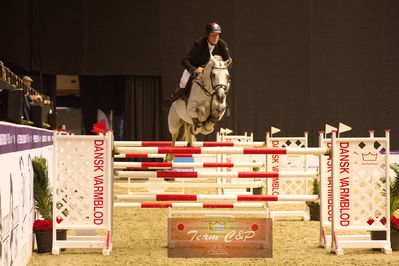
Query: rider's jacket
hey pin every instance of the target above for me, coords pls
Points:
(199, 53)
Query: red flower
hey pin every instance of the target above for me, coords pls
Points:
(394, 223)
(43, 225)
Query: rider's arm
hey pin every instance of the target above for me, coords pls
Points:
(224, 50)
(190, 57)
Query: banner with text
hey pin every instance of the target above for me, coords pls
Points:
(220, 237)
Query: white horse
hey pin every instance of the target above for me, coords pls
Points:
(205, 105)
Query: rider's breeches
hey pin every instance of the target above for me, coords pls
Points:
(184, 78)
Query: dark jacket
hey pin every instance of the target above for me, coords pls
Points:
(199, 54)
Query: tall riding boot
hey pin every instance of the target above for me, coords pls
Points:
(178, 93)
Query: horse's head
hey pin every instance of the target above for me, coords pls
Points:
(216, 74)
(219, 76)
(218, 104)
(218, 109)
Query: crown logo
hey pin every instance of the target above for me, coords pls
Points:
(217, 226)
(369, 157)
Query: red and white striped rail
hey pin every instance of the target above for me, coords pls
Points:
(154, 165)
(169, 197)
(162, 156)
(184, 144)
(190, 205)
(219, 150)
(190, 185)
(211, 174)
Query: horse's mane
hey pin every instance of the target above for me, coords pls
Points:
(218, 58)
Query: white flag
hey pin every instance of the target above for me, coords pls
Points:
(275, 130)
(343, 128)
(329, 128)
(222, 130)
(228, 131)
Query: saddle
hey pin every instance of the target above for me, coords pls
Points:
(180, 93)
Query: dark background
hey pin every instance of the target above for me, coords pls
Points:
(296, 64)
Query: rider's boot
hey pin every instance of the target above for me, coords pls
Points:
(178, 93)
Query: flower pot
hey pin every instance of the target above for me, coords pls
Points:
(314, 212)
(44, 240)
(380, 235)
(62, 235)
(395, 240)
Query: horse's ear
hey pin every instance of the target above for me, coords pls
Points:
(228, 62)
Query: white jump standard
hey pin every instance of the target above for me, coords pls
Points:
(352, 192)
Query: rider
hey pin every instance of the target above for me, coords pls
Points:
(197, 58)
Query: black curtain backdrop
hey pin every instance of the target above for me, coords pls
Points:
(100, 92)
(298, 64)
(143, 108)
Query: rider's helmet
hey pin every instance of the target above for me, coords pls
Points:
(212, 27)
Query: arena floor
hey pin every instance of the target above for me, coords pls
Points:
(140, 239)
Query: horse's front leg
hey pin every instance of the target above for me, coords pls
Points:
(196, 110)
(169, 157)
(188, 134)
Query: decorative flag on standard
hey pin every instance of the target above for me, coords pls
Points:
(275, 130)
(329, 129)
(225, 131)
(343, 128)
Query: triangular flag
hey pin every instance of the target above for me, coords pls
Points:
(222, 130)
(275, 130)
(343, 128)
(329, 128)
(228, 131)
(100, 125)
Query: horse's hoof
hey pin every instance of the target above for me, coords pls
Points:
(195, 130)
(209, 126)
(169, 158)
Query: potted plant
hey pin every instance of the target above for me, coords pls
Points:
(314, 205)
(394, 207)
(43, 200)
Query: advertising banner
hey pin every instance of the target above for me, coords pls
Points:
(220, 237)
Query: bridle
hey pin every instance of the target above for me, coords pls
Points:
(215, 89)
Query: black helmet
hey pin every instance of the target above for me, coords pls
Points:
(212, 27)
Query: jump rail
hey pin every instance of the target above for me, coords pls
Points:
(211, 174)
(162, 197)
(184, 144)
(144, 165)
(135, 155)
(191, 205)
(189, 185)
(220, 150)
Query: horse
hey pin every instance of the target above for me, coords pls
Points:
(205, 105)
